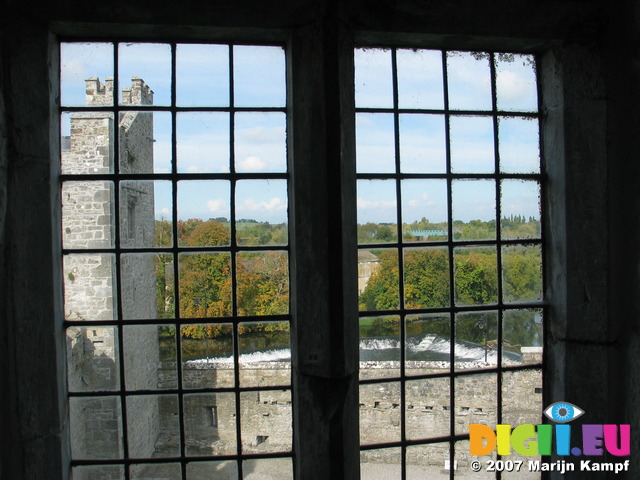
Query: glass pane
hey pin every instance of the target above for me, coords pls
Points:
(144, 73)
(476, 276)
(379, 413)
(93, 360)
(420, 79)
(164, 471)
(428, 344)
(521, 273)
(519, 145)
(426, 278)
(426, 415)
(424, 211)
(140, 202)
(145, 142)
(86, 143)
(379, 280)
(267, 423)
(474, 209)
(259, 76)
(469, 81)
(379, 347)
(165, 276)
(265, 354)
(204, 211)
(373, 78)
(375, 143)
(380, 463)
(472, 146)
(262, 283)
(476, 397)
(207, 355)
(463, 459)
(153, 429)
(522, 337)
(81, 66)
(422, 143)
(149, 357)
(139, 283)
(522, 397)
(261, 212)
(205, 285)
(203, 142)
(428, 461)
(520, 209)
(101, 472)
(202, 75)
(260, 142)
(267, 469)
(476, 340)
(88, 287)
(516, 87)
(223, 470)
(210, 424)
(377, 211)
(87, 215)
(96, 430)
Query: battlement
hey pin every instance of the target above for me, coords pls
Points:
(97, 93)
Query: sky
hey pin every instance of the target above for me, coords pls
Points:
(203, 80)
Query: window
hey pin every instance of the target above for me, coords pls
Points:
(175, 252)
(175, 186)
(449, 212)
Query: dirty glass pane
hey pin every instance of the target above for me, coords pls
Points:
(469, 80)
(265, 353)
(223, 470)
(426, 415)
(522, 337)
(476, 344)
(516, 86)
(428, 343)
(476, 397)
(150, 357)
(145, 142)
(521, 273)
(81, 65)
(144, 205)
(267, 469)
(86, 143)
(519, 144)
(428, 461)
(426, 278)
(266, 421)
(379, 347)
(420, 79)
(373, 78)
(88, 219)
(143, 65)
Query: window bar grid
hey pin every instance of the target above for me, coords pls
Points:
(500, 306)
(117, 250)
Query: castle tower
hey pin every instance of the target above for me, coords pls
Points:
(91, 293)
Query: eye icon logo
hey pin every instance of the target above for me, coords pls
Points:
(563, 412)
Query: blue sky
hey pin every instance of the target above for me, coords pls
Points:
(203, 80)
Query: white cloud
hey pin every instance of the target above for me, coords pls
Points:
(512, 86)
(275, 204)
(218, 205)
(362, 203)
(252, 164)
